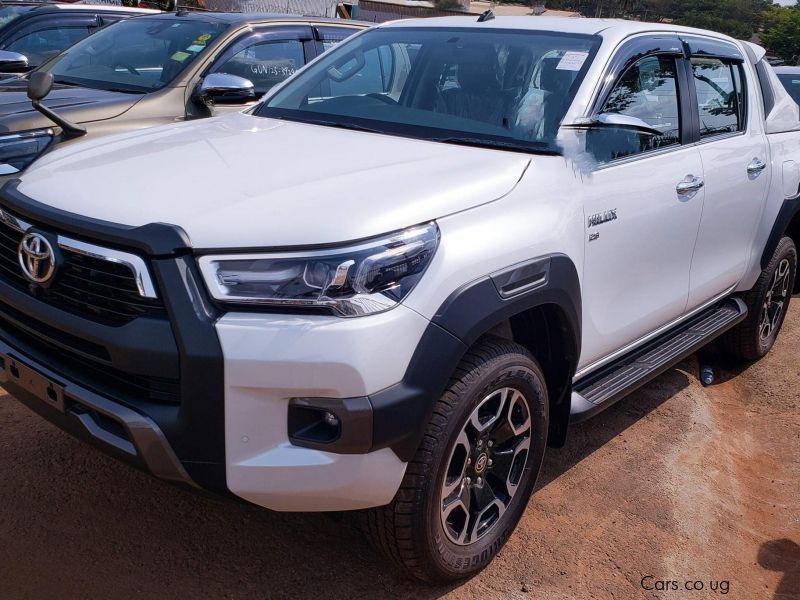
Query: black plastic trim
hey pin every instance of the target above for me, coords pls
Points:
(476, 308)
(401, 412)
(144, 346)
(603, 388)
(197, 431)
(767, 93)
(688, 108)
(704, 47)
(195, 427)
(789, 210)
(631, 51)
(355, 418)
(154, 239)
(134, 438)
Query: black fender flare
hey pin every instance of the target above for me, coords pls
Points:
(401, 412)
(789, 210)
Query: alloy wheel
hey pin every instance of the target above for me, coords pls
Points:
(486, 465)
(776, 301)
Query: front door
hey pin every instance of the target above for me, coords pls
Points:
(266, 57)
(642, 205)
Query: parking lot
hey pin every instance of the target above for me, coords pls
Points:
(677, 486)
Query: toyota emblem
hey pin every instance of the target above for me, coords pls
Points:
(37, 258)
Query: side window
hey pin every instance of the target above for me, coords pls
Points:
(333, 35)
(43, 45)
(720, 96)
(647, 91)
(265, 64)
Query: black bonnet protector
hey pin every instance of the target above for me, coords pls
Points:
(154, 239)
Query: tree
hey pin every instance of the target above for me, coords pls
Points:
(782, 34)
(738, 18)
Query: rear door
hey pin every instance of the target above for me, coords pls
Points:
(736, 169)
(643, 202)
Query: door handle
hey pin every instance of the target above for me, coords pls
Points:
(755, 167)
(689, 185)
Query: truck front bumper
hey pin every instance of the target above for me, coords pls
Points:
(124, 433)
(273, 360)
(269, 361)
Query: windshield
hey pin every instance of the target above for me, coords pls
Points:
(496, 88)
(135, 55)
(791, 81)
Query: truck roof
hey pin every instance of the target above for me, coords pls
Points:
(606, 28)
(246, 18)
(42, 7)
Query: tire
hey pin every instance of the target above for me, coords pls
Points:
(496, 378)
(767, 304)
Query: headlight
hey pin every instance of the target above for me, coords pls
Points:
(362, 279)
(18, 150)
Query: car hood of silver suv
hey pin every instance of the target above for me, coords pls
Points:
(240, 181)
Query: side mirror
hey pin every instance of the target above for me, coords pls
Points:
(224, 88)
(13, 62)
(39, 85)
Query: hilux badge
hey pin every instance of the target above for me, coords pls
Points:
(603, 217)
(37, 258)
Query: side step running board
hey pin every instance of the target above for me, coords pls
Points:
(597, 391)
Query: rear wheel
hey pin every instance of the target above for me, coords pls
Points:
(471, 478)
(768, 303)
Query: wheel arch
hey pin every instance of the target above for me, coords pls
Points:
(536, 303)
(787, 223)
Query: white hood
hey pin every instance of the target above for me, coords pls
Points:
(244, 181)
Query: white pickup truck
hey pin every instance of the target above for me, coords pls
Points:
(395, 281)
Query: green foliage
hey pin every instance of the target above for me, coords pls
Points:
(731, 27)
(782, 34)
(777, 26)
(738, 18)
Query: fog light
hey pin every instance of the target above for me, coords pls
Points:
(313, 424)
(331, 420)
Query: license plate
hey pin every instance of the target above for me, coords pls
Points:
(19, 374)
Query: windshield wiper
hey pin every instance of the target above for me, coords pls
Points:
(528, 147)
(335, 124)
(65, 82)
(95, 87)
(123, 90)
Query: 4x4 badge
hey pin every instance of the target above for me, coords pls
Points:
(37, 258)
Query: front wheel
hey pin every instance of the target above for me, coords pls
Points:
(469, 483)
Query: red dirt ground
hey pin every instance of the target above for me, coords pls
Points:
(676, 483)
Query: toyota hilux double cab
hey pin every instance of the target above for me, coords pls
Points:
(394, 282)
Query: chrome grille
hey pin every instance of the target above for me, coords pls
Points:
(112, 290)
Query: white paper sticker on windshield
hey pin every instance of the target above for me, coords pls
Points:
(572, 61)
